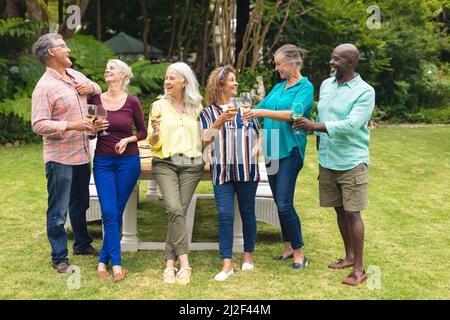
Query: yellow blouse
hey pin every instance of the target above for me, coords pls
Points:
(178, 134)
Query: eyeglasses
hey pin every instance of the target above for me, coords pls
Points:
(62, 46)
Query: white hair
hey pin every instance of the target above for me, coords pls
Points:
(191, 94)
(125, 69)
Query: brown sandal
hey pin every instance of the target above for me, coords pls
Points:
(341, 264)
(103, 274)
(353, 280)
(120, 276)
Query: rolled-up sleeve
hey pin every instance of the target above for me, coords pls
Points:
(360, 114)
(41, 112)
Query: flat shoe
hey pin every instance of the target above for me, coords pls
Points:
(103, 274)
(281, 258)
(353, 280)
(302, 265)
(184, 276)
(120, 276)
(222, 276)
(169, 275)
(341, 264)
(247, 266)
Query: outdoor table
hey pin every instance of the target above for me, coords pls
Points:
(130, 238)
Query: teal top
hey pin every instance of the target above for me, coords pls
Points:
(346, 110)
(278, 137)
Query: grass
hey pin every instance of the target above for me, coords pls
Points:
(407, 234)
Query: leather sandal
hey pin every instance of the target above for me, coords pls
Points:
(341, 264)
(103, 274)
(169, 275)
(353, 279)
(120, 276)
(184, 276)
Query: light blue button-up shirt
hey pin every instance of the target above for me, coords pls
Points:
(346, 110)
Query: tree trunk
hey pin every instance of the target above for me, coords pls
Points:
(11, 10)
(98, 21)
(63, 29)
(60, 12)
(146, 29)
(205, 44)
(38, 12)
(174, 30)
(180, 32)
(242, 15)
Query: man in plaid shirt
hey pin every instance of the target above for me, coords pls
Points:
(58, 109)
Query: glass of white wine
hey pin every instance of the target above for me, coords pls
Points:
(297, 112)
(90, 113)
(155, 116)
(233, 106)
(246, 105)
(100, 113)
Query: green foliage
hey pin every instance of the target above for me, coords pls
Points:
(247, 78)
(395, 59)
(15, 128)
(18, 27)
(431, 115)
(17, 35)
(19, 106)
(89, 56)
(148, 78)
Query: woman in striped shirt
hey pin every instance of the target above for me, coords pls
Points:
(234, 166)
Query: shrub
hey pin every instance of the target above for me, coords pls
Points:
(90, 56)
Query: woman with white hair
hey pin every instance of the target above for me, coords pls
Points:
(177, 164)
(117, 164)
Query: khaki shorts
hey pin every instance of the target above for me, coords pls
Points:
(347, 188)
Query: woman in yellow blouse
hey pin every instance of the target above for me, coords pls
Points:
(177, 165)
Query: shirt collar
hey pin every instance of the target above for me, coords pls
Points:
(56, 74)
(350, 83)
(295, 84)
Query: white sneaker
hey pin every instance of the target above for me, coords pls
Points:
(222, 276)
(247, 266)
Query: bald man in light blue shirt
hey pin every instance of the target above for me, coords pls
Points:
(345, 107)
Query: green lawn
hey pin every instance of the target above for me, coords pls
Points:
(407, 234)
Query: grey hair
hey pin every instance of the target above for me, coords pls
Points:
(292, 54)
(45, 42)
(123, 67)
(191, 94)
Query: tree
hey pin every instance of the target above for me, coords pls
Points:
(68, 31)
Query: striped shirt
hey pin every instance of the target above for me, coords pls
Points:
(55, 102)
(231, 151)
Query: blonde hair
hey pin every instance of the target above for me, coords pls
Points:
(216, 80)
(191, 94)
(292, 54)
(125, 69)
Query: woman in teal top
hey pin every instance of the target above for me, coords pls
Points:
(283, 148)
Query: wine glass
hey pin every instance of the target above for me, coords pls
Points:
(155, 116)
(233, 106)
(100, 113)
(247, 102)
(297, 112)
(90, 113)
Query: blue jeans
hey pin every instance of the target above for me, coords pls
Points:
(224, 196)
(68, 190)
(282, 185)
(115, 178)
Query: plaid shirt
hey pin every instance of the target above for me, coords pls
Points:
(55, 102)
